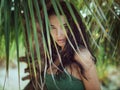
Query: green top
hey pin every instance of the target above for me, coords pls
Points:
(65, 82)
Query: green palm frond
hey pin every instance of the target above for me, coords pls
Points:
(102, 20)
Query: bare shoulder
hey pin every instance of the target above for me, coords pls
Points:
(85, 58)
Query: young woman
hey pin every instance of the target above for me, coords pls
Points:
(71, 65)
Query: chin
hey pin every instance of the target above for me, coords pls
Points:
(61, 45)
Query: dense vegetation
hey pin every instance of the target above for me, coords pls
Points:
(102, 18)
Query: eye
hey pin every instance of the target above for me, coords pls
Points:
(52, 27)
(66, 27)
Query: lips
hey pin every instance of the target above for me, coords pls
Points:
(61, 40)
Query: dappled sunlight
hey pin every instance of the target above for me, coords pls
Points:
(111, 81)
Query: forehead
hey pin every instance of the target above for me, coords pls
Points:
(54, 20)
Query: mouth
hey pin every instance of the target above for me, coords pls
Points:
(61, 40)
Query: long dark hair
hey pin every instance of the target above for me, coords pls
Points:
(67, 54)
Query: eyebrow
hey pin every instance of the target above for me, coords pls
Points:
(52, 25)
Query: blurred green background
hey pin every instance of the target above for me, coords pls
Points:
(102, 18)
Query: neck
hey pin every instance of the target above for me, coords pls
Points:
(62, 48)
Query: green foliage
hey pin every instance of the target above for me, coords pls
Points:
(101, 17)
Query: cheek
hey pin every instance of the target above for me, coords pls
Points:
(53, 34)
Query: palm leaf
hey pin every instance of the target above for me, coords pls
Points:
(99, 21)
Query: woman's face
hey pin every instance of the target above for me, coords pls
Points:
(57, 31)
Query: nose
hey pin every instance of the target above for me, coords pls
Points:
(60, 32)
